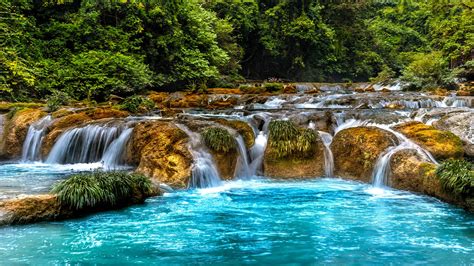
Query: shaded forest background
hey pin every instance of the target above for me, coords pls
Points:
(91, 49)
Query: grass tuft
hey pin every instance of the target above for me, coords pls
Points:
(457, 177)
(101, 189)
(288, 140)
(218, 139)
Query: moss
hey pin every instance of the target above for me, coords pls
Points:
(287, 140)
(242, 128)
(218, 139)
(273, 87)
(6, 106)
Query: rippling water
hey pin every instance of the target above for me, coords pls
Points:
(325, 221)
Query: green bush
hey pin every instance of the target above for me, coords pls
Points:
(273, 86)
(136, 104)
(248, 89)
(288, 140)
(56, 100)
(457, 177)
(218, 139)
(100, 189)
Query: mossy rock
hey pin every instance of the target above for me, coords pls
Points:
(441, 144)
(218, 139)
(357, 149)
(242, 128)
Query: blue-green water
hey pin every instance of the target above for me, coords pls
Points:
(324, 221)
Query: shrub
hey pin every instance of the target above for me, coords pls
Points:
(248, 89)
(56, 100)
(101, 189)
(136, 103)
(457, 177)
(218, 139)
(273, 86)
(288, 140)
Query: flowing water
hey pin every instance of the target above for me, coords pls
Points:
(328, 156)
(324, 221)
(203, 173)
(34, 138)
(243, 170)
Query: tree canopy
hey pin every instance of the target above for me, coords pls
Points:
(91, 49)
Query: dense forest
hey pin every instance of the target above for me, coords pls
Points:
(91, 49)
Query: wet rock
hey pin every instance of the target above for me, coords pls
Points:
(462, 125)
(15, 130)
(242, 128)
(161, 152)
(356, 151)
(441, 144)
(289, 89)
(410, 172)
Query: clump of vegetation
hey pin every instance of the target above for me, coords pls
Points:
(273, 87)
(249, 89)
(137, 104)
(56, 100)
(457, 177)
(101, 189)
(288, 140)
(218, 139)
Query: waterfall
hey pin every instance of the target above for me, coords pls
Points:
(204, 172)
(328, 156)
(243, 169)
(87, 144)
(113, 156)
(34, 138)
(257, 152)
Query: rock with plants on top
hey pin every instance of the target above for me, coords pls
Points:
(218, 139)
(457, 177)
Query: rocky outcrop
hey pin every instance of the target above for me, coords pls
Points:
(15, 131)
(441, 144)
(356, 151)
(242, 128)
(462, 125)
(410, 172)
(295, 166)
(65, 119)
(160, 150)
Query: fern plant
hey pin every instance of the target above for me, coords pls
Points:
(457, 177)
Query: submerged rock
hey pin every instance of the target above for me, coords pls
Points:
(15, 131)
(462, 125)
(356, 151)
(441, 144)
(160, 150)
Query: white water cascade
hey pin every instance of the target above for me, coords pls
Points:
(243, 168)
(34, 138)
(257, 152)
(113, 157)
(328, 156)
(90, 144)
(204, 172)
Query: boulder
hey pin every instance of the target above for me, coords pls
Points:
(462, 125)
(441, 144)
(160, 149)
(357, 149)
(15, 130)
(410, 172)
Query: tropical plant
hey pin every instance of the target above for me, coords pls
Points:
(288, 140)
(457, 177)
(137, 103)
(218, 139)
(56, 100)
(101, 189)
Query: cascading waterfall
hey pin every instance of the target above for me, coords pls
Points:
(204, 171)
(257, 152)
(90, 144)
(243, 168)
(328, 156)
(34, 138)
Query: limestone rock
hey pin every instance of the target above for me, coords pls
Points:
(160, 150)
(357, 149)
(462, 125)
(441, 144)
(15, 131)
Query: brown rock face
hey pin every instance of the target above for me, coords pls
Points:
(442, 144)
(15, 131)
(161, 152)
(32, 209)
(410, 172)
(459, 124)
(294, 166)
(356, 151)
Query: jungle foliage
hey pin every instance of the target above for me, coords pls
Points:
(91, 49)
